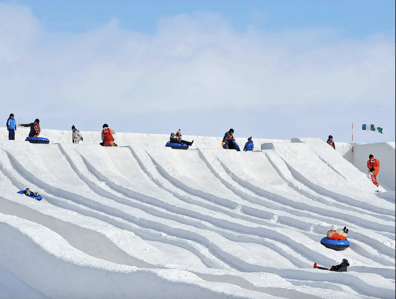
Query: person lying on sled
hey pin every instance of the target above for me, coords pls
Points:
(29, 192)
(341, 235)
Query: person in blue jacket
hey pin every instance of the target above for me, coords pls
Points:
(11, 127)
(249, 145)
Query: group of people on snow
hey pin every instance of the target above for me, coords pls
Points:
(228, 141)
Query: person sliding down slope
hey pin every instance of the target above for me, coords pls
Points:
(229, 141)
(34, 128)
(107, 136)
(341, 235)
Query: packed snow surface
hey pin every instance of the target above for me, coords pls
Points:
(144, 221)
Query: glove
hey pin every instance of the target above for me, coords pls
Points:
(82, 139)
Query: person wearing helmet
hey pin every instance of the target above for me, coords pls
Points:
(76, 135)
(249, 146)
(373, 165)
(229, 141)
(107, 136)
(330, 141)
(341, 235)
(34, 128)
(11, 127)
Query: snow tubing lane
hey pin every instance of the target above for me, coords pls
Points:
(38, 197)
(37, 140)
(175, 145)
(335, 244)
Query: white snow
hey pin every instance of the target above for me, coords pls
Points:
(144, 221)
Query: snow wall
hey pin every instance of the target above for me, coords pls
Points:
(384, 152)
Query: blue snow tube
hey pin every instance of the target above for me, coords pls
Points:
(38, 197)
(176, 145)
(335, 244)
(37, 140)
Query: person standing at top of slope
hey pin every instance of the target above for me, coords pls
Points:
(178, 136)
(341, 235)
(330, 141)
(34, 128)
(76, 135)
(229, 141)
(107, 136)
(11, 127)
(373, 163)
(249, 146)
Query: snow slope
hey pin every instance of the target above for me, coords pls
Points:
(145, 221)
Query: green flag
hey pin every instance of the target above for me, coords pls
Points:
(372, 128)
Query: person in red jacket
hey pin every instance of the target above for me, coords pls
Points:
(107, 136)
(331, 142)
(373, 163)
(333, 234)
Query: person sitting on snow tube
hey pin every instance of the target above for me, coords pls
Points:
(229, 141)
(107, 136)
(34, 128)
(178, 136)
(341, 235)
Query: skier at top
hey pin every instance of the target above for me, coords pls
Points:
(330, 141)
(229, 141)
(373, 165)
(11, 127)
(34, 128)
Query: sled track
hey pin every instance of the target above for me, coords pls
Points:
(232, 216)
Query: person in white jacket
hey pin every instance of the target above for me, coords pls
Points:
(76, 136)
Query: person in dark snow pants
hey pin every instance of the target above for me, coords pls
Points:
(34, 128)
(228, 141)
(11, 127)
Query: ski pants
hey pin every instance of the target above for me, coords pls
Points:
(11, 134)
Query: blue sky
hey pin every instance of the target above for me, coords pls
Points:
(271, 69)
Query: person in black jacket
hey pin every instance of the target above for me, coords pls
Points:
(229, 141)
(34, 128)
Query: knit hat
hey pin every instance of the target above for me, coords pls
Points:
(250, 138)
(231, 130)
(73, 127)
(334, 227)
(12, 114)
(105, 126)
(371, 156)
(36, 120)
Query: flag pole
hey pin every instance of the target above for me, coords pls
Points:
(352, 143)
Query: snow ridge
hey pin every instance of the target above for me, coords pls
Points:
(152, 222)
